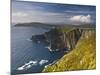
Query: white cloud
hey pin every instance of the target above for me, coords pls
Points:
(25, 6)
(38, 16)
(81, 19)
(18, 14)
(49, 17)
(21, 17)
(75, 11)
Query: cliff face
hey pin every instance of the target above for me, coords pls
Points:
(63, 40)
(82, 57)
(60, 40)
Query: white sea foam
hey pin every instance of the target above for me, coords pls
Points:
(48, 47)
(43, 62)
(46, 66)
(28, 39)
(20, 68)
(27, 65)
(31, 64)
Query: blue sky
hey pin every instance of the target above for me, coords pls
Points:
(25, 12)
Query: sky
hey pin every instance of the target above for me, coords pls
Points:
(26, 12)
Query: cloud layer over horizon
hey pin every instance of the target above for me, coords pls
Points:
(24, 12)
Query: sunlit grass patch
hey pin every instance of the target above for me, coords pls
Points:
(82, 57)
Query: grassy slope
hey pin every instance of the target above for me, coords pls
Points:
(81, 58)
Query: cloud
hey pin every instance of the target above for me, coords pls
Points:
(25, 12)
(30, 12)
(49, 17)
(25, 6)
(81, 19)
(38, 16)
(20, 17)
(79, 12)
(19, 14)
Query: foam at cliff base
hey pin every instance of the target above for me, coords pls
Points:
(31, 64)
(27, 65)
(43, 62)
(49, 48)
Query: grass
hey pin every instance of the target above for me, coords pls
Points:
(65, 29)
(82, 57)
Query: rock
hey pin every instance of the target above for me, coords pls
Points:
(59, 40)
(38, 37)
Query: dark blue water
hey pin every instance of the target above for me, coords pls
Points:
(24, 50)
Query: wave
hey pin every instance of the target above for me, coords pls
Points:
(31, 64)
(27, 65)
(42, 62)
(28, 39)
(48, 47)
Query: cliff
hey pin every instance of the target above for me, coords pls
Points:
(83, 51)
(79, 45)
(60, 40)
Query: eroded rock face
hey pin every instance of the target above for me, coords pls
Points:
(59, 40)
(72, 38)
(55, 39)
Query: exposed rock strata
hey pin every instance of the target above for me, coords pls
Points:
(59, 40)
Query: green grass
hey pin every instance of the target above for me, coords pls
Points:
(65, 29)
(82, 57)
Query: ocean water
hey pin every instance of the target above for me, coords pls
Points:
(28, 56)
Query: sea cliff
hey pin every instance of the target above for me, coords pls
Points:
(60, 40)
(63, 38)
(79, 45)
(82, 56)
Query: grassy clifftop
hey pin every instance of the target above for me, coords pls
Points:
(82, 57)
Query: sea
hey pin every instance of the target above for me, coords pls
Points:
(28, 56)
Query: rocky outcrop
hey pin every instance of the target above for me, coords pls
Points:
(38, 37)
